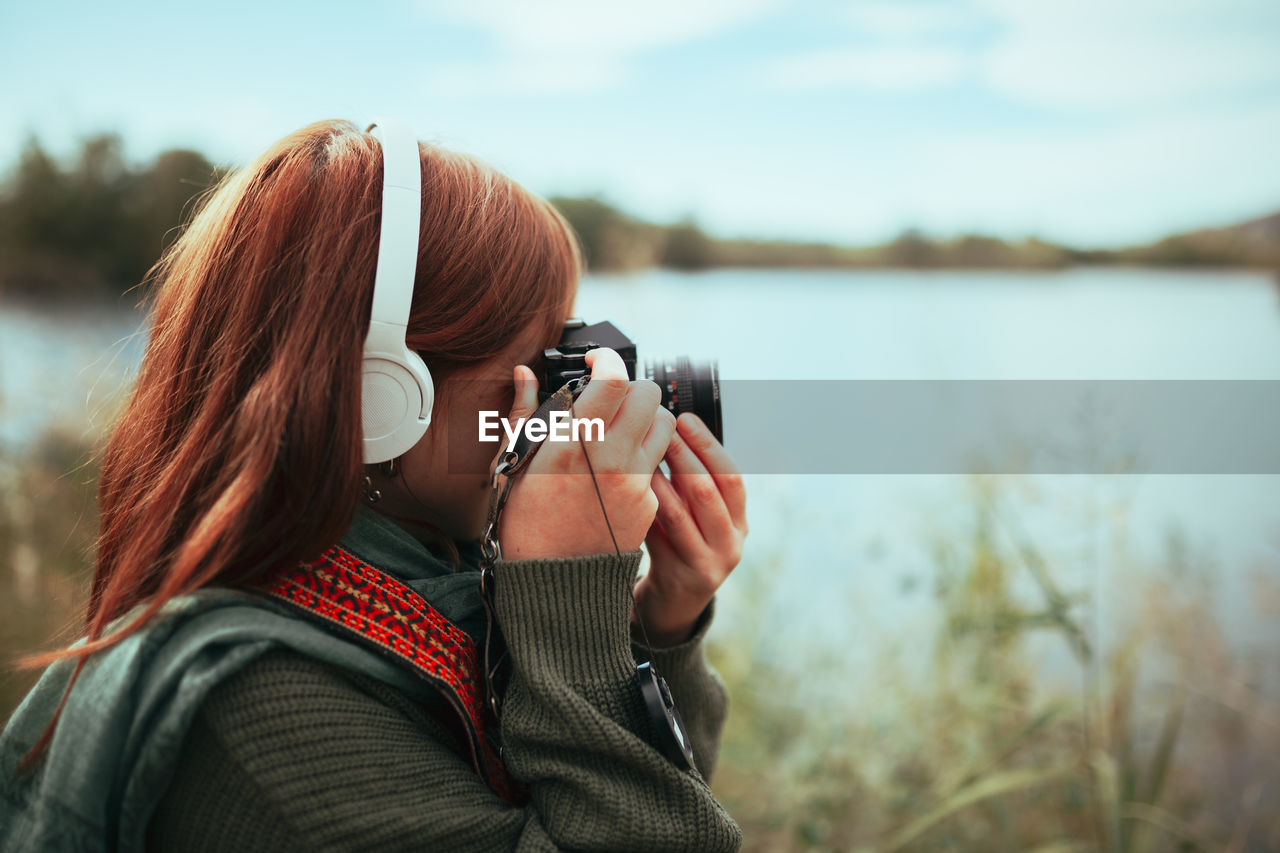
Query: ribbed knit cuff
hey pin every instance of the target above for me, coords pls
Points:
(569, 615)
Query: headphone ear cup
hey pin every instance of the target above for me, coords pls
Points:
(396, 400)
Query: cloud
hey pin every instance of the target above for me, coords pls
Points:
(878, 69)
(907, 20)
(565, 46)
(551, 26)
(1130, 181)
(525, 75)
(1101, 54)
(1118, 70)
(1060, 54)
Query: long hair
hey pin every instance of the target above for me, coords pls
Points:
(239, 450)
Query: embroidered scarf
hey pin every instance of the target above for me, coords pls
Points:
(356, 599)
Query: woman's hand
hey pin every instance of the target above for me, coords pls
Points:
(697, 540)
(553, 510)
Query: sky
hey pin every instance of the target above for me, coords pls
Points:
(1091, 122)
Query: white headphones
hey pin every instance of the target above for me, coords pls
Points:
(396, 393)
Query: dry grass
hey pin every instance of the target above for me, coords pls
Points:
(1166, 743)
(48, 523)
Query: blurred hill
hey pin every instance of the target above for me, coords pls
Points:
(91, 228)
(1255, 243)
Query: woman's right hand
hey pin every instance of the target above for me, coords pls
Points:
(553, 510)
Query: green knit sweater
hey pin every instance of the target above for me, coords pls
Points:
(291, 753)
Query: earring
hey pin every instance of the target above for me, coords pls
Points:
(389, 468)
(371, 494)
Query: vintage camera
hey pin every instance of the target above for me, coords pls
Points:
(687, 386)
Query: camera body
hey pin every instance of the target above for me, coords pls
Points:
(687, 386)
(567, 359)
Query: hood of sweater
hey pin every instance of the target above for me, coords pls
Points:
(123, 724)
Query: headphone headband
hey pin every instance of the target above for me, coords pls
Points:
(398, 239)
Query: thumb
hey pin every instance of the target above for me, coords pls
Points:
(526, 401)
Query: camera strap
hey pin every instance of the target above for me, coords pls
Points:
(509, 465)
(664, 717)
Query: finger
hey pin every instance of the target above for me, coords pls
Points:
(661, 551)
(718, 463)
(526, 400)
(656, 440)
(608, 386)
(700, 493)
(664, 561)
(524, 403)
(677, 521)
(637, 413)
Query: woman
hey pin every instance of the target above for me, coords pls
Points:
(230, 693)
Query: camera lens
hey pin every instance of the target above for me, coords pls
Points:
(689, 386)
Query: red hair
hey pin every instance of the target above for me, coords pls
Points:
(239, 449)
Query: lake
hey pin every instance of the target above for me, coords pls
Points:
(849, 563)
(853, 558)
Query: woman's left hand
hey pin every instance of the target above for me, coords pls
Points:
(696, 540)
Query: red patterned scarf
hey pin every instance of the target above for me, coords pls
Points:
(364, 602)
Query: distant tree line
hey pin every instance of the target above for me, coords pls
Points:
(94, 225)
(615, 241)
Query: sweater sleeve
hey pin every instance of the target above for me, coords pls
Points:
(699, 692)
(294, 753)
